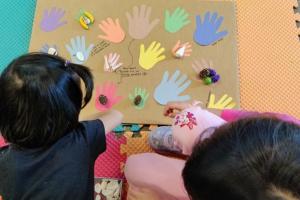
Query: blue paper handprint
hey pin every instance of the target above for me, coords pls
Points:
(206, 32)
(169, 89)
(79, 54)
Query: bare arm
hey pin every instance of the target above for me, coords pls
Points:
(173, 108)
(110, 119)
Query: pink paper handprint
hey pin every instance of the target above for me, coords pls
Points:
(52, 19)
(106, 96)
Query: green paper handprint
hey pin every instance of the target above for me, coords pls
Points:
(139, 98)
(176, 20)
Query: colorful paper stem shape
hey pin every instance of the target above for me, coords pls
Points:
(139, 98)
(52, 19)
(182, 50)
(139, 22)
(113, 32)
(170, 89)
(177, 20)
(151, 56)
(225, 102)
(78, 51)
(206, 32)
(111, 62)
(106, 96)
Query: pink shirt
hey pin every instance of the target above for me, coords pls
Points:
(233, 115)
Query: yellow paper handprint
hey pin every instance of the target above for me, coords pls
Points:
(226, 102)
(151, 56)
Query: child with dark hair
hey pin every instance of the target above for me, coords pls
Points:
(50, 154)
(238, 156)
(255, 158)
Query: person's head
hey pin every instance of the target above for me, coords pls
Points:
(256, 158)
(41, 98)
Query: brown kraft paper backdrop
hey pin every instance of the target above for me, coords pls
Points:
(223, 54)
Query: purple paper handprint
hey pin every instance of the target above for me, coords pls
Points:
(206, 32)
(52, 19)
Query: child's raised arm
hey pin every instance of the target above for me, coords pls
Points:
(110, 119)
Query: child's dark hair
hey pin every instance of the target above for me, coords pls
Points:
(41, 98)
(256, 158)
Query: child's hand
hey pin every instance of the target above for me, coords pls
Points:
(173, 108)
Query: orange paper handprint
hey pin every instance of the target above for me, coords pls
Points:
(113, 30)
(182, 50)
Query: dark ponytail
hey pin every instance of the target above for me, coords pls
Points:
(87, 77)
